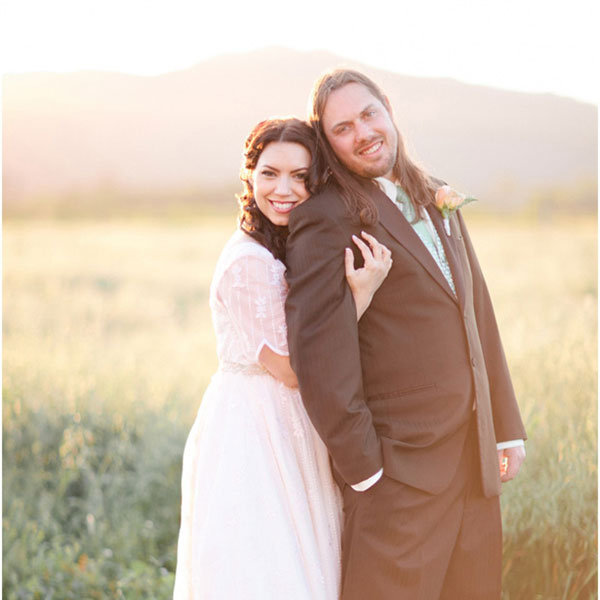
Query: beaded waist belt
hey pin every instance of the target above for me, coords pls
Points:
(251, 369)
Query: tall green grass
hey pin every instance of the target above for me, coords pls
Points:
(108, 346)
(543, 282)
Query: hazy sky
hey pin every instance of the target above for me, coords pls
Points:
(530, 45)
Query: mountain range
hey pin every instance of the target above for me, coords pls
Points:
(75, 132)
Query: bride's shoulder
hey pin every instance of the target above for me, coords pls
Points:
(242, 250)
(240, 244)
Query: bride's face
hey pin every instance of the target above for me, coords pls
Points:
(278, 180)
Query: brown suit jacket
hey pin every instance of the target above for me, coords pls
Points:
(397, 389)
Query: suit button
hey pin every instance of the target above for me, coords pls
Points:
(473, 361)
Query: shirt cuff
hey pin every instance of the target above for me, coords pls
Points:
(361, 486)
(510, 444)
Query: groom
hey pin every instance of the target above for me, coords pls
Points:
(415, 402)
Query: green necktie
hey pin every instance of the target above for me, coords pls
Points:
(427, 233)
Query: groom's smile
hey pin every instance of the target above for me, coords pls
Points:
(360, 131)
(371, 148)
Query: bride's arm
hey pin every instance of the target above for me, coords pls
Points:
(363, 283)
(278, 365)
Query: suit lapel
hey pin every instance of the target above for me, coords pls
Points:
(451, 249)
(392, 219)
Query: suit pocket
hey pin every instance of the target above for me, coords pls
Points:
(384, 396)
(402, 414)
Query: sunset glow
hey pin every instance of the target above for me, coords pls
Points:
(536, 45)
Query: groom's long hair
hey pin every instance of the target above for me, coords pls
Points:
(354, 188)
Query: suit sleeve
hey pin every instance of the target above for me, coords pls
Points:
(507, 418)
(323, 342)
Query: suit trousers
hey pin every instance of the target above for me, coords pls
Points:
(401, 543)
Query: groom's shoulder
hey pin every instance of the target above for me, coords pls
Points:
(326, 201)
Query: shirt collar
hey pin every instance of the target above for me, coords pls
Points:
(387, 187)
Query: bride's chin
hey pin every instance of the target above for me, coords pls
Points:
(280, 221)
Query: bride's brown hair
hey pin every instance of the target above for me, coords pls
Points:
(251, 219)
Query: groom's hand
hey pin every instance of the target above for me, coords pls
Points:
(510, 461)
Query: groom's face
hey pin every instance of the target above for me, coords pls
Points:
(360, 130)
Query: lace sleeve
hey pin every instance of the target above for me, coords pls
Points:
(253, 291)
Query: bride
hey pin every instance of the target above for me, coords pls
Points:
(261, 514)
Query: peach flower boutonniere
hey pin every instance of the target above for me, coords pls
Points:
(447, 201)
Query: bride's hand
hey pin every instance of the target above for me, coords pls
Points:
(365, 281)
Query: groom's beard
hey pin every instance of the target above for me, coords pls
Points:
(378, 171)
(362, 166)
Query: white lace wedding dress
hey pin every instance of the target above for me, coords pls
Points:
(261, 514)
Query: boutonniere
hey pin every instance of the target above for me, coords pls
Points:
(447, 201)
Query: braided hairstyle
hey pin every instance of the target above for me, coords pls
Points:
(251, 220)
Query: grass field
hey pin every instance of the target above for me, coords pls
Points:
(108, 346)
